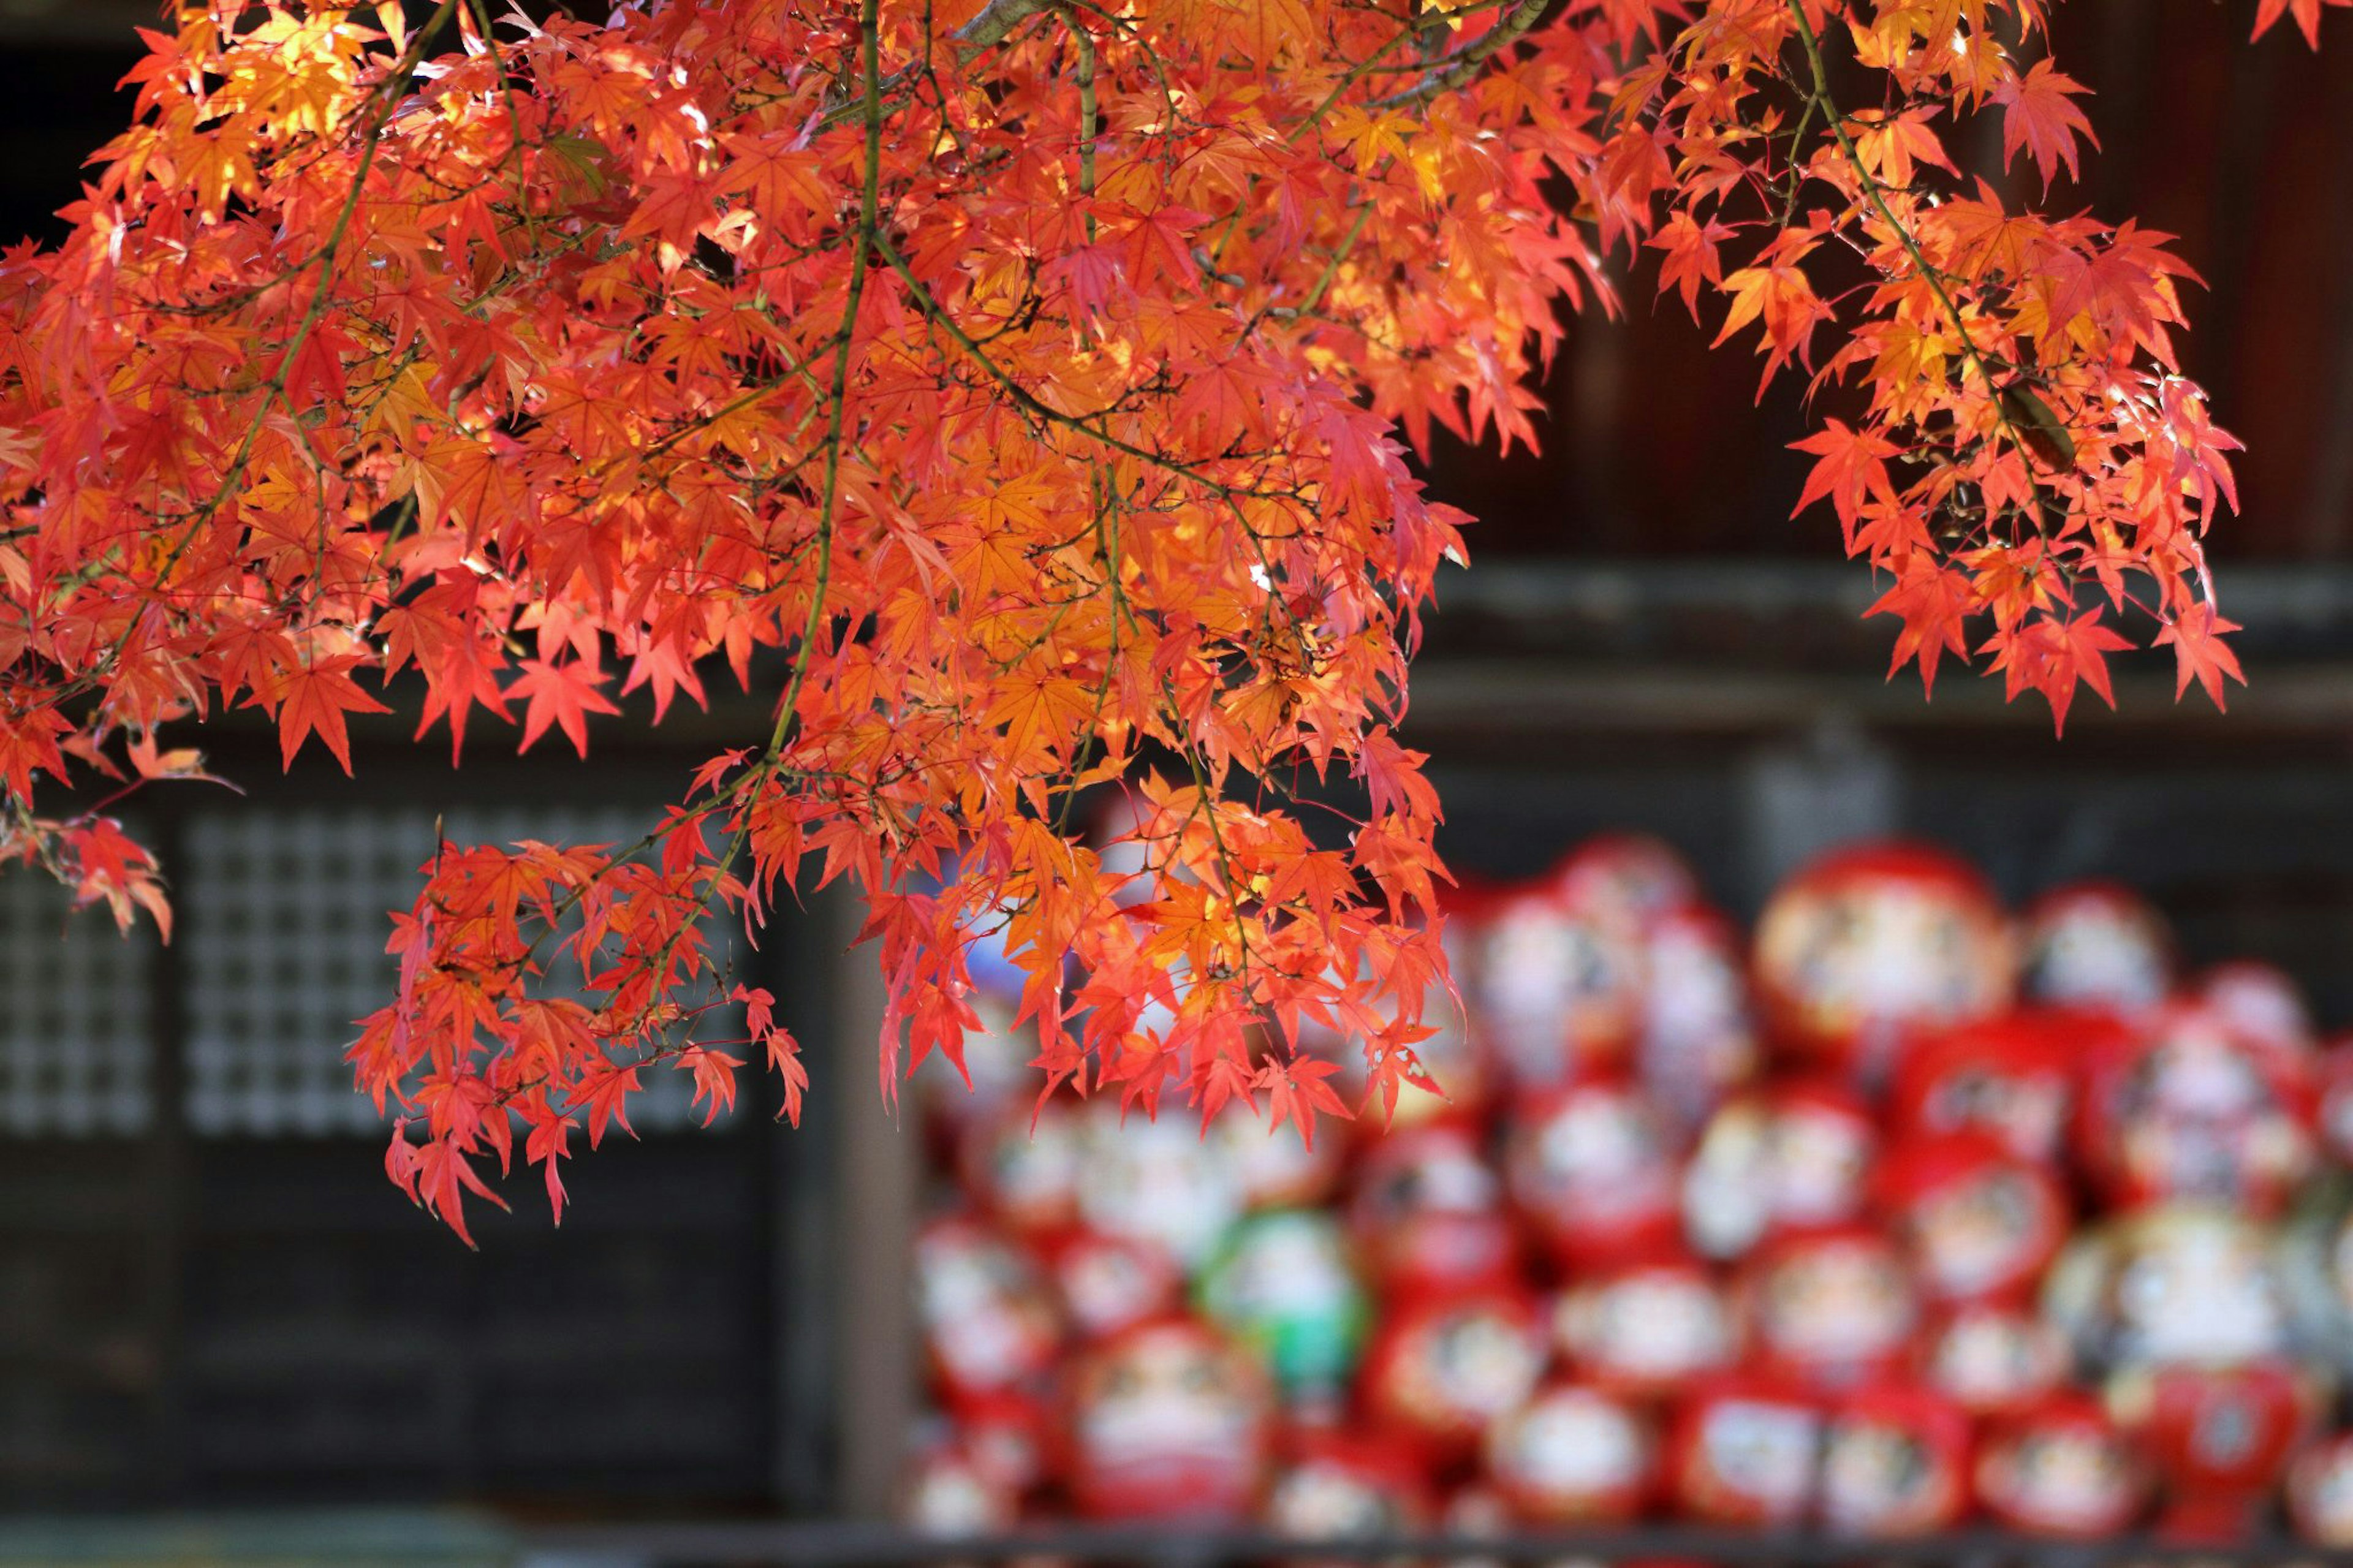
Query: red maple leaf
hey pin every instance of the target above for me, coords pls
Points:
(2200, 653)
(1854, 465)
(2305, 11)
(311, 699)
(562, 695)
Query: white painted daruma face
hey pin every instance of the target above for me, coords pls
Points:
(1980, 1234)
(951, 1494)
(1599, 1154)
(986, 1315)
(1318, 1500)
(1726, 1200)
(1110, 1282)
(1166, 1420)
(1990, 1358)
(1156, 1181)
(1876, 1479)
(2202, 1289)
(1653, 1326)
(1815, 1164)
(2096, 948)
(1884, 954)
(2074, 1479)
(1762, 1451)
(1483, 1363)
(1836, 1304)
(1571, 1445)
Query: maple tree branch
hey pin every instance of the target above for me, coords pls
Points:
(1339, 255)
(747, 790)
(1106, 517)
(1087, 115)
(996, 22)
(1450, 71)
(933, 310)
(1821, 95)
(387, 94)
(1356, 74)
(1929, 274)
(838, 402)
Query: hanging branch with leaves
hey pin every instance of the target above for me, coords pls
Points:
(1021, 398)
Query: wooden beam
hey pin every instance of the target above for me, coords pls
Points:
(76, 23)
(873, 1245)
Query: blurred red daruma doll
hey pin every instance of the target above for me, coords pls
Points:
(1700, 1037)
(1787, 1158)
(951, 1494)
(1020, 1164)
(1977, 1221)
(1895, 1462)
(1697, 1036)
(2320, 1492)
(1107, 1282)
(2196, 1106)
(1746, 1450)
(2219, 1437)
(2060, 1469)
(1590, 1168)
(2261, 999)
(1447, 1364)
(1649, 1327)
(1994, 1358)
(1871, 946)
(2012, 1078)
(2094, 947)
(1833, 1309)
(1628, 876)
(1168, 1420)
(1574, 1454)
(1335, 1485)
(1556, 990)
(1157, 1181)
(989, 1322)
(1429, 1212)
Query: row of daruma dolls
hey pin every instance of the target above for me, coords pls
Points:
(1909, 1216)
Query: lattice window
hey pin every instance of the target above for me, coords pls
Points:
(285, 923)
(74, 1044)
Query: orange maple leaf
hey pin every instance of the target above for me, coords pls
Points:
(2038, 116)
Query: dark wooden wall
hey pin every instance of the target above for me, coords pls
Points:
(216, 1296)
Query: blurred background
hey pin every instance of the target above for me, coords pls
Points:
(210, 1297)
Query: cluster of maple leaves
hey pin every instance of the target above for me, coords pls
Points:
(1019, 394)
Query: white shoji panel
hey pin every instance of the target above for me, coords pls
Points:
(284, 925)
(73, 1015)
(286, 921)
